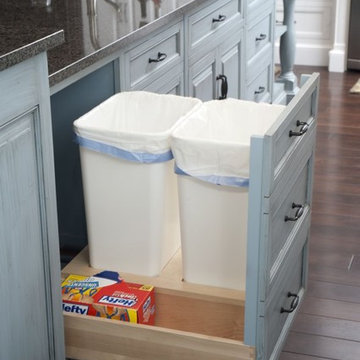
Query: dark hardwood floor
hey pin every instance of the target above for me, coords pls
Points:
(328, 325)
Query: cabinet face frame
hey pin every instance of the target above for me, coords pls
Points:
(52, 257)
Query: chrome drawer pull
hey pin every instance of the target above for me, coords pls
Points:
(303, 130)
(224, 86)
(160, 57)
(220, 18)
(261, 37)
(298, 214)
(260, 90)
(294, 303)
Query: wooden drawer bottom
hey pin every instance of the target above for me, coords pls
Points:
(192, 322)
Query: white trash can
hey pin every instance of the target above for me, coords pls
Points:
(130, 189)
(211, 150)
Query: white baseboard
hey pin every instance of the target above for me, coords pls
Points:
(308, 54)
(337, 60)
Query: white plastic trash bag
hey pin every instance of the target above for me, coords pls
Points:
(213, 144)
(135, 126)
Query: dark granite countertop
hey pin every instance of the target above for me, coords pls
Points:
(21, 35)
(25, 50)
(93, 29)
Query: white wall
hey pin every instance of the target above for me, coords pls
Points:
(314, 30)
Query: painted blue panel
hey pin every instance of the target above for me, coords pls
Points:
(66, 106)
(22, 285)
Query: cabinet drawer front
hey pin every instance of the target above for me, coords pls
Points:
(288, 223)
(216, 337)
(258, 36)
(170, 83)
(286, 142)
(257, 7)
(97, 338)
(288, 211)
(154, 56)
(259, 89)
(283, 302)
(212, 19)
(292, 134)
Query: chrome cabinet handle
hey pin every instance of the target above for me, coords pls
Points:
(160, 57)
(224, 86)
(220, 18)
(294, 303)
(260, 90)
(298, 214)
(261, 37)
(303, 130)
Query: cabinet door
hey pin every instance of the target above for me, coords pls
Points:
(22, 269)
(229, 64)
(202, 82)
(225, 59)
(282, 304)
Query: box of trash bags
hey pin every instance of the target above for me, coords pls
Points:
(108, 296)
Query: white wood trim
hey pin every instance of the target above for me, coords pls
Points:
(308, 54)
(338, 54)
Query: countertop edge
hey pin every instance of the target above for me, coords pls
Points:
(25, 52)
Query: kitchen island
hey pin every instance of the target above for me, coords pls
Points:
(194, 49)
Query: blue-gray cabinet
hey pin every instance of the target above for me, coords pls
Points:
(214, 50)
(31, 312)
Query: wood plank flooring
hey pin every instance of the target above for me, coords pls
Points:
(328, 325)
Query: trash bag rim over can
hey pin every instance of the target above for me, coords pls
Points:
(131, 206)
(213, 147)
(213, 143)
(113, 135)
